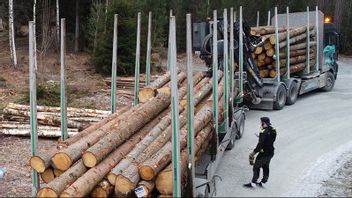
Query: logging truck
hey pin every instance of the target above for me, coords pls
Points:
(282, 87)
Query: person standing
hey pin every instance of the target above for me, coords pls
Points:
(265, 148)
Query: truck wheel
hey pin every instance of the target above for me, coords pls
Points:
(280, 99)
(330, 82)
(232, 138)
(240, 128)
(292, 94)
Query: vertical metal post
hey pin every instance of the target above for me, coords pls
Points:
(136, 71)
(33, 104)
(149, 50)
(234, 16)
(287, 74)
(232, 58)
(168, 46)
(190, 108)
(277, 48)
(317, 38)
(268, 23)
(63, 100)
(307, 69)
(226, 73)
(114, 63)
(215, 71)
(175, 114)
(240, 60)
(258, 15)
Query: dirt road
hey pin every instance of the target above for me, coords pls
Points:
(314, 131)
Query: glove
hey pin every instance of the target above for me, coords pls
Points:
(251, 158)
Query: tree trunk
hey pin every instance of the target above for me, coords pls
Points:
(338, 14)
(154, 133)
(77, 27)
(48, 175)
(12, 35)
(58, 185)
(83, 185)
(103, 190)
(130, 177)
(42, 161)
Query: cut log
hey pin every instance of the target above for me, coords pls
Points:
(130, 177)
(264, 73)
(299, 46)
(155, 132)
(267, 45)
(296, 68)
(258, 50)
(56, 186)
(261, 56)
(41, 161)
(293, 53)
(272, 73)
(85, 184)
(270, 52)
(292, 33)
(104, 189)
(49, 133)
(296, 39)
(263, 30)
(57, 172)
(294, 60)
(48, 175)
(268, 60)
(148, 187)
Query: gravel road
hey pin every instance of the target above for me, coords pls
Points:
(316, 130)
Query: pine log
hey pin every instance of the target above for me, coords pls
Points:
(103, 189)
(154, 133)
(294, 53)
(299, 38)
(58, 185)
(65, 157)
(264, 73)
(272, 73)
(299, 46)
(41, 161)
(85, 184)
(258, 50)
(296, 68)
(270, 52)
(261, 56)
(42, 132)
(268, 60)
(148, 186)
(48, 175)
(57, 172)
(263, 30)
(267, 45)
(128, 180)
(292, 33)
(294, 60)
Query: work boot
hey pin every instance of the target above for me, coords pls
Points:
(260, 184)
(249, 185)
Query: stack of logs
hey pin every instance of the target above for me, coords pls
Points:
(16, 120)
(131, 148)
(265, 55)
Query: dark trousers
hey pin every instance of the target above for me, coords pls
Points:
(262, 161)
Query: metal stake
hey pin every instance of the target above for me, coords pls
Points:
(277, 48)
(307, 69)
(190, 108)
(232, 59)
(149, 49)
(317, 38)
(287, 75)
(168, 49)
(114, 63)
(63, 100)
(33, 104)
(240, 60)
(234, 16)
(175, 114)
(226, 72)
(258, 13)
(268, 24)
(136, 72)
(215, 72)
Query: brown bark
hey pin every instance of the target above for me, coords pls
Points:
(296, 68)
(103, 189)
(84, 184)
(263, 30)
(296, 39)
(301, 46)
(292, 33)
(294, 53)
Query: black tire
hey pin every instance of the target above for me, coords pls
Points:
(233, 137)
(240, 130)
(280, 99)
(330, 82)
(292, 93)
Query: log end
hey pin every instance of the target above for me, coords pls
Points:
(99, 192)
(183, 103)
(146, 172)
(145, 94)
(61, 161)
(111, 178)
(47, 192)
(37, 164)
(65, 194)
(48, 175)
(164, 182)
(89, 159)
(123, 185)
(57, 172)
(164, 90)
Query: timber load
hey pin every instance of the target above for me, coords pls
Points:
(15, 120)
(130, 148)
(265, 55)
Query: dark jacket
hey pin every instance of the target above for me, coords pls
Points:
(267, 138)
